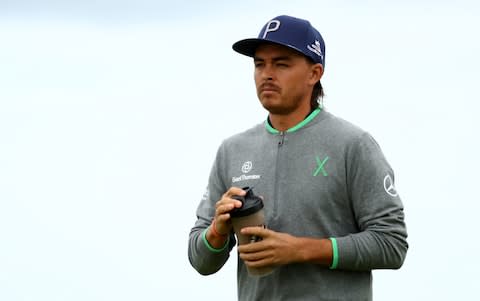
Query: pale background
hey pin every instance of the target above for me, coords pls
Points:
(111, 113)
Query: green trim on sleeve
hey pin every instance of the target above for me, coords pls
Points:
(212, 249)
(335, 254)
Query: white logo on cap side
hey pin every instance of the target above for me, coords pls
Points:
(316, 48)
(268, 29)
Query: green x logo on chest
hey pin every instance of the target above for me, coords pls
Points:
(320, 167)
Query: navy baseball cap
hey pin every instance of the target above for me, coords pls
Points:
(294, 33)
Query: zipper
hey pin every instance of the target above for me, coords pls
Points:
(281, 141)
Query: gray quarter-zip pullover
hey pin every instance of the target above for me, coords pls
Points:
(324, 178)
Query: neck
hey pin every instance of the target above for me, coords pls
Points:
(283, 122)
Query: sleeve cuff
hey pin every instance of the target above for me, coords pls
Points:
(335, 253)
(209, 247)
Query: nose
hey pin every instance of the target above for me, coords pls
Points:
(267, 72)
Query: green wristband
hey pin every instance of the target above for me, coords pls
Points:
(335, 254)
(212, 249)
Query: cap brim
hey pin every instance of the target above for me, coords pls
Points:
(248, 47)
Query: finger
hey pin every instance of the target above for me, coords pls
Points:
(227, 200)
(224, 208)
(223, 217)
(232, 193)
(257, 260)
(257, 231)
(255, 256)
(235, 191)
(251, 248)
(264, 262)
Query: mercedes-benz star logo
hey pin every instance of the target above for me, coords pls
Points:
(247, 166)
(389, 186)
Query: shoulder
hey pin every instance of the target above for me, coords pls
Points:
(339, 125)
(251, 136)
(358, 141)
(241, 143)
(338, 130)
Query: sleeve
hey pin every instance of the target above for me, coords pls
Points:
(204, 258)
(381, 241)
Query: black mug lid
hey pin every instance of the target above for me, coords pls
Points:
(251, 204)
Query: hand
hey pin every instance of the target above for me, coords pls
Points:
(223, 224)
(274, 249)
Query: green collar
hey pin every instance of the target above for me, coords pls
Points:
(296, 127)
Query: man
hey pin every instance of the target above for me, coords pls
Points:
(331, 208)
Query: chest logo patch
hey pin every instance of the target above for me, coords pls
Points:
(320, 166)
(247, 167)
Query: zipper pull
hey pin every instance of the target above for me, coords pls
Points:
(282, 138)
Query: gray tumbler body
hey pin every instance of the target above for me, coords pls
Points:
(255, 218)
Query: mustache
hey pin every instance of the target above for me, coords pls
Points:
(268, 86)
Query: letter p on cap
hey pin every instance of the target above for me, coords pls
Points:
(270, 28)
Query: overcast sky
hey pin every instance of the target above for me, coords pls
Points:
(111, 113)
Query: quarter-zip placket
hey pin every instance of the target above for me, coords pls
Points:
(282, 139)
(278, 178)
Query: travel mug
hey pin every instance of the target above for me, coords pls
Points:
(250, 214)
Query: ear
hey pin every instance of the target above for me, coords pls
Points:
(316, 73)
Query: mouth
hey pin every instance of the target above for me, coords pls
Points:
(268, 88)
